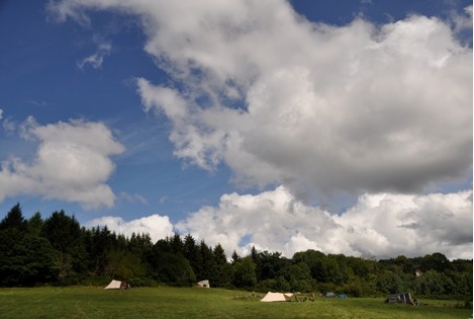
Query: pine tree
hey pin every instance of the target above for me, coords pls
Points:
(14, 219)
(65, 235)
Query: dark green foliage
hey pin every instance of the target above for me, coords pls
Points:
(192, 254)
(389, 282)
(244, 273)
(462, 283)
(176, 244)
(271, 265)
(434, 283)
(222, 273)
(25, 259)
(174, 269)
(436, 261)
(35, 224)
(235, 257)
(207, 261)
(123, 264)
(301, 279)
(98, 243)
(64, 234)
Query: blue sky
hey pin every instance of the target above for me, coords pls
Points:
(239, 122)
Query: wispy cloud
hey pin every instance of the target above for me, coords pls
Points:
(8, 125)
(37, 103)
(96, 59)
(133, 198)
(462, 21)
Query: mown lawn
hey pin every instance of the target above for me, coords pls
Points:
(195, 303)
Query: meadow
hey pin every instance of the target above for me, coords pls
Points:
(199, 303)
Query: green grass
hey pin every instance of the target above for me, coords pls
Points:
(195, 303)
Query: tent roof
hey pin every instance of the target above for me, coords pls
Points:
(204, 283)
(276, 296)
(114, 284)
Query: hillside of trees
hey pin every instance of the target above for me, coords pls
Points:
(58, 251)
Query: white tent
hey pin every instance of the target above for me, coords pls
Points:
(276, 296)
(204, 284)
(114, 284)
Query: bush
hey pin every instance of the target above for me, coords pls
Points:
(301, 286)
(142, 282)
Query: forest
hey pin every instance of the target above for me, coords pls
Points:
(58, 251)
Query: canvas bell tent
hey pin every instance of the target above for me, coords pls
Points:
(276, 297)
(114, 284)
(204, 284)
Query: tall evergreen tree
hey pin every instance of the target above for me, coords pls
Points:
(65, 235)
(207, 261)
(222, 274)
(14, 219)
(25, 257)
(235, 258)
(191, 253)
(35, 224)
(176, 244)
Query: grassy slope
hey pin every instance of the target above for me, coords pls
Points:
(169, 303)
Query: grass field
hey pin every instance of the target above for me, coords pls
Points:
(195, 303)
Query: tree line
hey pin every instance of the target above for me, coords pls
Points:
(58, 251)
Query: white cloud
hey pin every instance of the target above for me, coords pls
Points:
(72, 163)
(380, 225)
(133, 198)
(462, 21)
(96, 59)
(158, 227)
(38, 103)
(1, 114)
(9, 125)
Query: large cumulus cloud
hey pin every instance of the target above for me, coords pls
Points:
(312, 106)
(378, 225)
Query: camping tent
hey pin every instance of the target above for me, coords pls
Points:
(331, 295)
(401, 298)
(204, 284)
(114, 284)
(276, 296)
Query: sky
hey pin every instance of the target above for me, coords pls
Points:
(344, 127)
